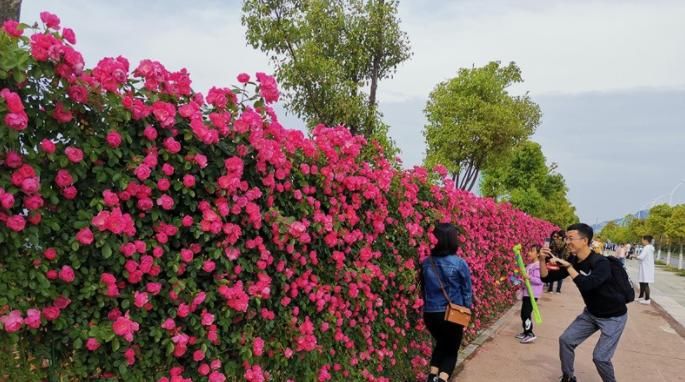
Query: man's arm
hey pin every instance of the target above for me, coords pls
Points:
(601, 272)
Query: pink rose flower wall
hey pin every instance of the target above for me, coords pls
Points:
(148, 232)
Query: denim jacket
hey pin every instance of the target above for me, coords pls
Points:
(456, 278)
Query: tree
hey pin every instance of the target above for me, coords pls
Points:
(473, 122)
(327, 52)
(675, 226)
(9, 10)
(655, 223)
(524, 179)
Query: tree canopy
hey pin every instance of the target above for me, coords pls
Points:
(327, 53)
(473, 121)
(524, 179)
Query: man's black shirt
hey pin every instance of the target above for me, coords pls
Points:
(598, 288)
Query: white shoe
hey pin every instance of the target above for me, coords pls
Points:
(645, 302)
(528, 339)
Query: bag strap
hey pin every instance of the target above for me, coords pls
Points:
(437, 274)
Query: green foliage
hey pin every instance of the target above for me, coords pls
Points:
(326, 53)
(657, 220)
(675, 226)
(525, 180)
(473, 121)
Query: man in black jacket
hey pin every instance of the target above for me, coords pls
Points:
(605, 308)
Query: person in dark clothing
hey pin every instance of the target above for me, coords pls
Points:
(605, 307)
(444, 269)
(558, 247)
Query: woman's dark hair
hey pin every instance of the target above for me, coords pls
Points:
(561, 233)
(648, 238)
(448, 239)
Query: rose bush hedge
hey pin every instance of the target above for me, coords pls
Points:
(148, 231)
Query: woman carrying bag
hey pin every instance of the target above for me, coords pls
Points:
(446, 287)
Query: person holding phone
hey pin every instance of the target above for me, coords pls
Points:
(558, 248)
(605, 306)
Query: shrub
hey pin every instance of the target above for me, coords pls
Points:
(150, 232)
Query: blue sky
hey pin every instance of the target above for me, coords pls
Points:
(608, 75)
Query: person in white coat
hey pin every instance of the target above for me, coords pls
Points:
(646, 273)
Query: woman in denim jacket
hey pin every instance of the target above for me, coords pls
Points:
(456, 278)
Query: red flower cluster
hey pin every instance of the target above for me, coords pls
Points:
(162, 227)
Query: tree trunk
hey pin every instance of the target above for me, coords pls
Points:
(377, 57)
(10, 10)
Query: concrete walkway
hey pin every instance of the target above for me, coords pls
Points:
(667, 291)
(650, 349)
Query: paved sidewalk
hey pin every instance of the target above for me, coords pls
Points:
(667, 291)
(650, 349)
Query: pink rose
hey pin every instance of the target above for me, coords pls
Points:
(63, 178)
(92, 344)
(50, 20)
(110, 198)
(198, 355)
(168, 324)
(188, 180)
(13, 159)
(47, 146)
(85, 236)
(172, 145)
(200, 160)
(140, 299)
(142, 172)
(66, 274)
(62, 115)
(12, 322)
(130, 356)
(69, 35)
(30, 185)
(243, 78)
(150, 133)
(6, 200)
(16, 223)
(163, 184)
(113, 139)
(17, 121)
(209, 266)
(32, 319)
(12, 28)
(78, 93)
(125, 327)
(51, 274)
(107, 278)
(70, 192)
(62, 302)
(50, 253)
(187, 221)
(203, 369)
(33, 202)
(217, 377)
(74, 154)
(258, 346)
(168, 169)
(153, 287)
(51, 313)
(166, 202)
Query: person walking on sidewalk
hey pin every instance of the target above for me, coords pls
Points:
(605, 306)
(645, 275)
(444, 269)
(533, 272)
(558, 247)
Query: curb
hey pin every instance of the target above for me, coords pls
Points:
(675, 324)
(486, 335)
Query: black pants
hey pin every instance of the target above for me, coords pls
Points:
(526, 311)
(550, 286)
(644, 290)
(447, 338)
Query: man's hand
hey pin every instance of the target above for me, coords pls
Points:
(561, 262)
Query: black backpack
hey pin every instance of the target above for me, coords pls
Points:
(621, 280)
